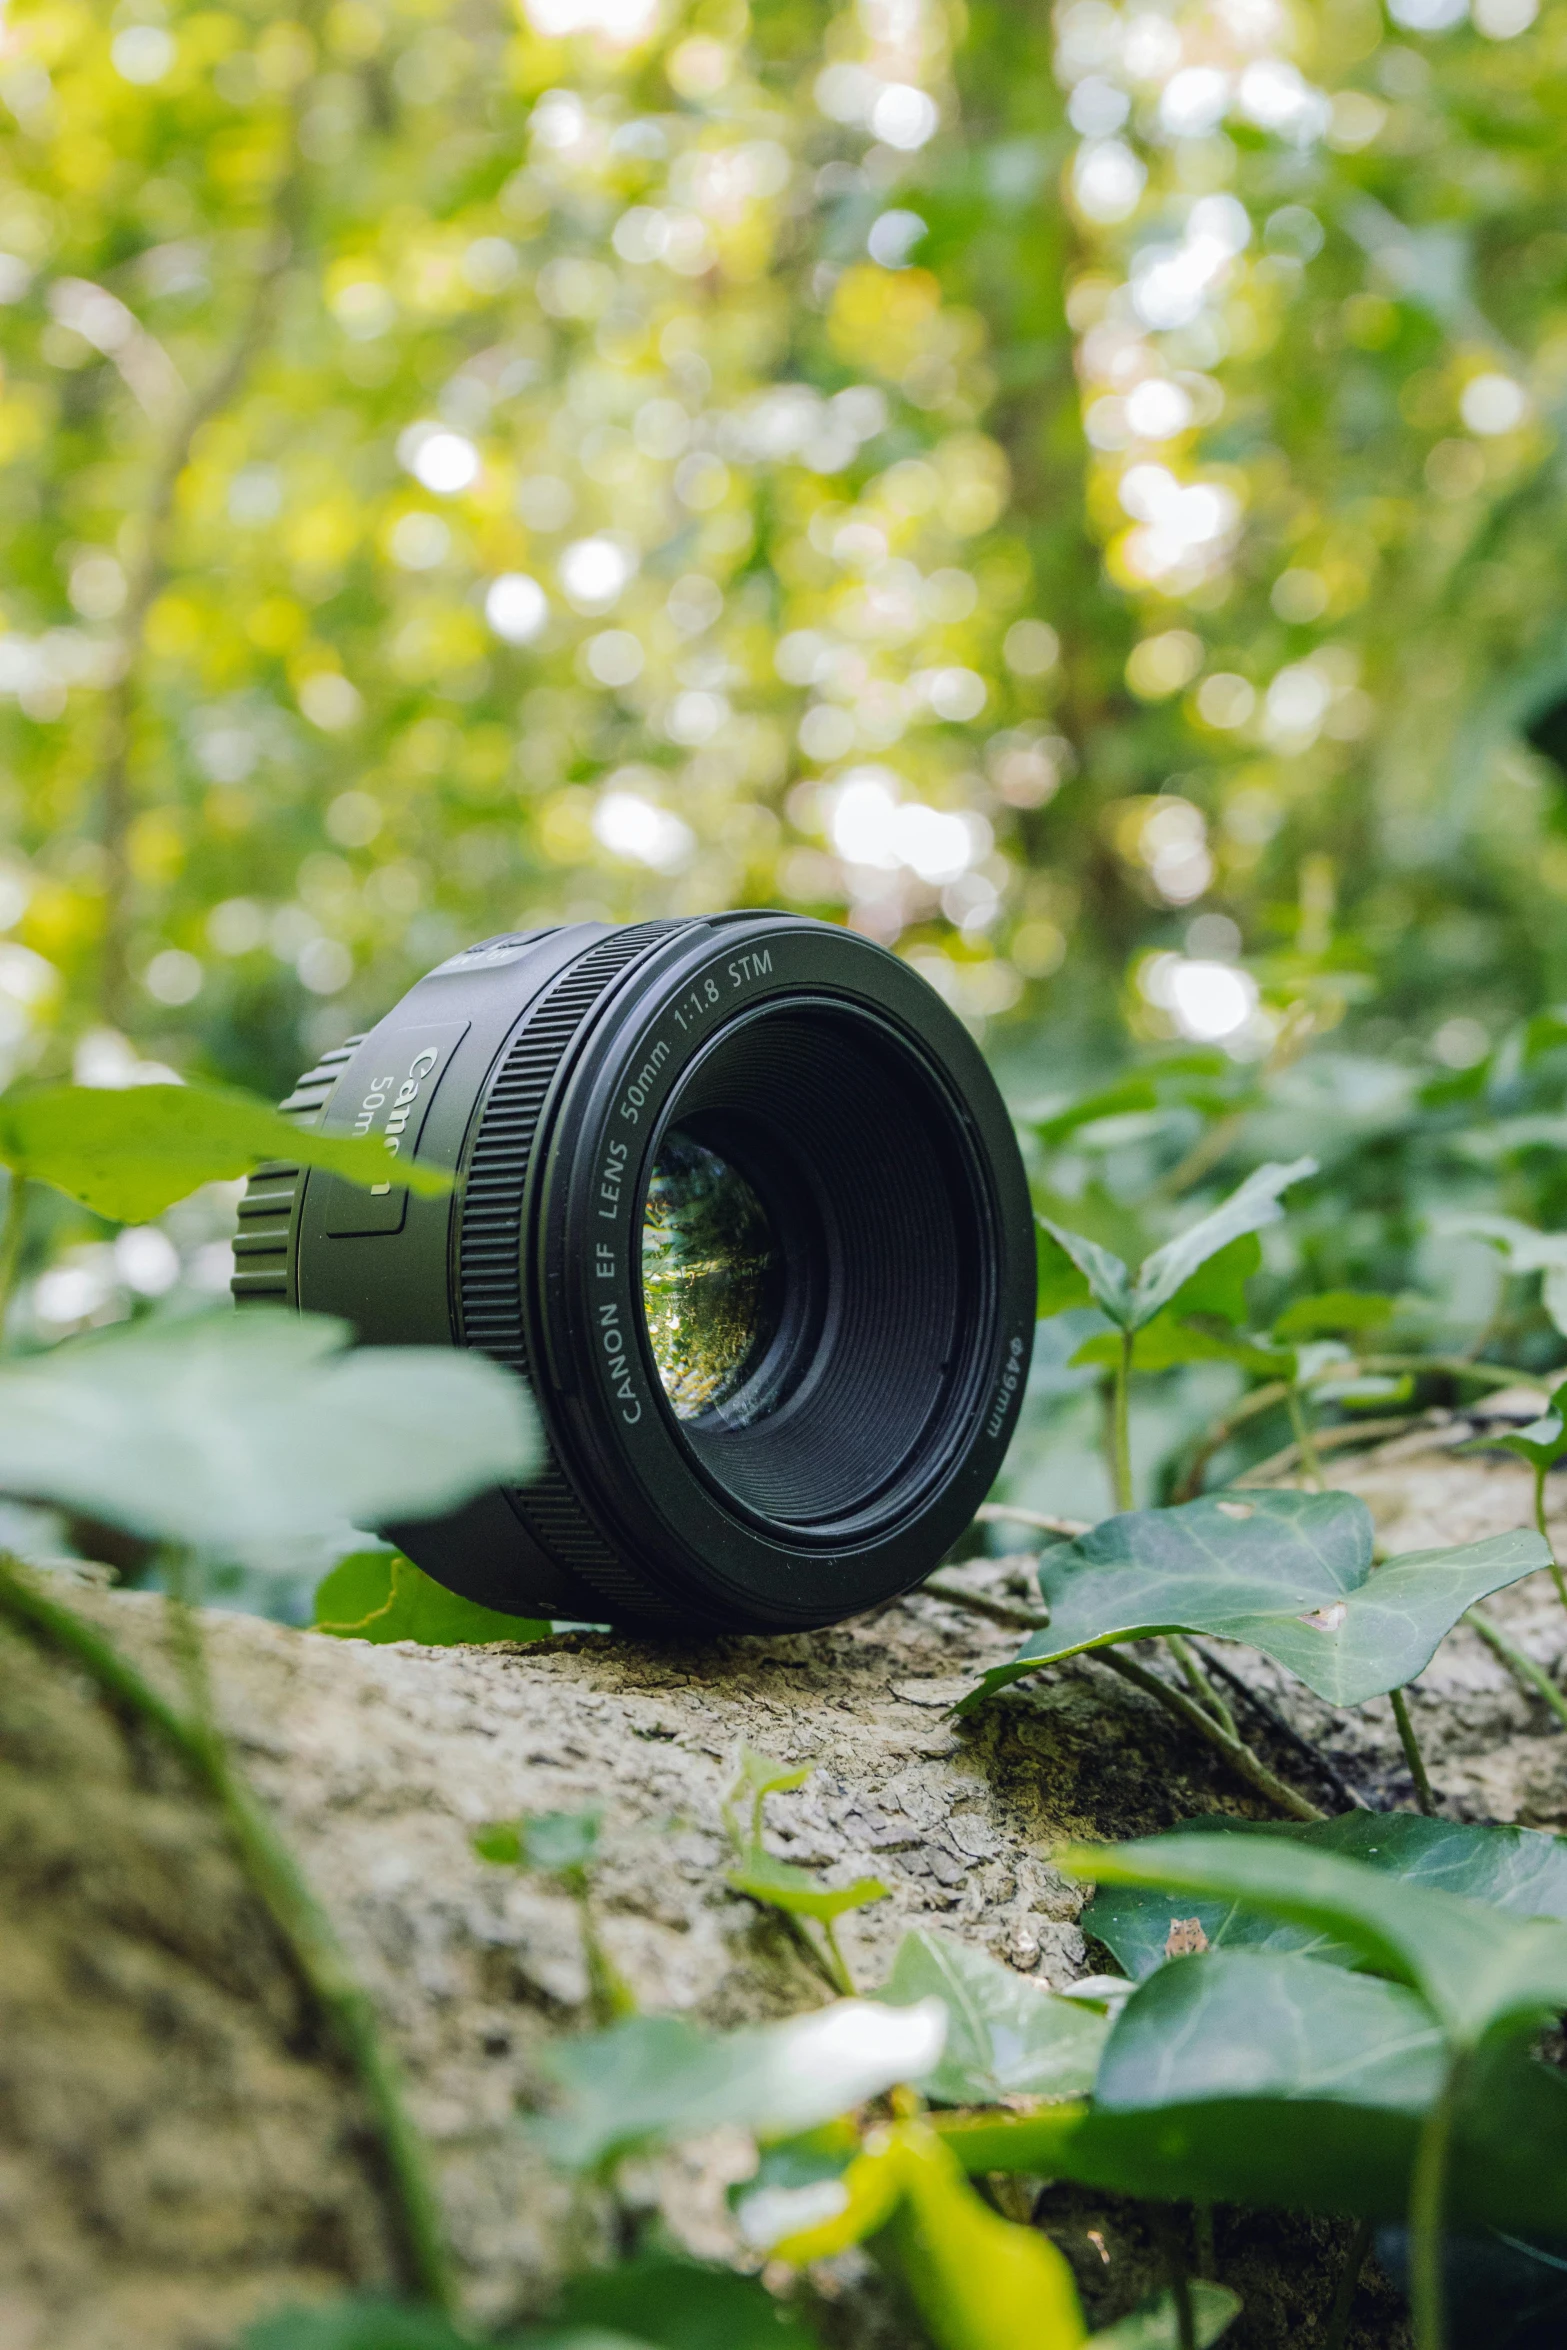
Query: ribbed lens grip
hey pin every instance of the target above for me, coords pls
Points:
(490, 1237)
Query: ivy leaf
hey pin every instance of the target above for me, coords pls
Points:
(239, 1434)
(130, 1152)
(1257, 2023)
(1481, 1971)
(1247, 1210)
(657, 2078)
(1007, 2036)
(1520, 1870)
(1156, 2325)
(1107, 1282)
(1289, 1573)
(380, 1596)
(679, 2305)
(781, 1885)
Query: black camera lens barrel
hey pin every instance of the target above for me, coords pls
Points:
(739, 1200)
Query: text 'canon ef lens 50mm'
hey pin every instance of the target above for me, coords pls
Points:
(739, 1200)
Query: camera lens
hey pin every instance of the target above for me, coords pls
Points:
(739, 1201)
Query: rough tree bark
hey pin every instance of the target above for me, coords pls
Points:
(179, 2149)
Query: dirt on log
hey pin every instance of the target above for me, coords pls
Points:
(180, 2149)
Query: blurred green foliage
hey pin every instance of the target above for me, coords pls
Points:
(1073, 496)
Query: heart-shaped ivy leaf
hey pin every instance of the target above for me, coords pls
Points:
(237, 1435)
(1520, 1870)
(1289, 1573)
(1481, 1971)
(1255, 2023)
(130, 1152)
(1007, 2036)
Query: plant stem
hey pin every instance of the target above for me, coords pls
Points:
(1000, 1513)
(842, 1979)
(15, 1218)
(302, 1925)
(1261, 1399)
(1198, 1682)
(1529, 1676)
(1279, 1464)
(1427, 2194)
(1348, 2279)
(1121, 1426)
(1304, 1439)
(1235, 1752)
(1539, 1519)
(979, 1603)
(1412, 1754)
(1286, 1730)
(1204, 2260)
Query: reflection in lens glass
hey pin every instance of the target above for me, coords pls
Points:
(710, 1268)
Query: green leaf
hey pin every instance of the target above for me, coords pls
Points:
(130, 1152)
(1508, 2157)
(237, 1434)
(1007, 2036)
(677, 2305)
(781, 1885)
(1219, 1284)
(1289, 1573)
(1480, 1970)
(1248, 1209)
(1520, 1870)
(379, 1595)
(562, 1843)
(1542, 1442)
(1167, 1341)
(1107, 1280)
(1259, 2023)
(1156, 2324)
(658, 2078)
(979, 2282)
(1333, 1313)
(1061, 1285)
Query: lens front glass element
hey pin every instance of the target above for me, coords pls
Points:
(711, 1278)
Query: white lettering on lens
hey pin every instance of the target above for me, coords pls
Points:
(636, 1093)
(618, 1364)
(1011, 1380)
(756, 965)
(610, 1174)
